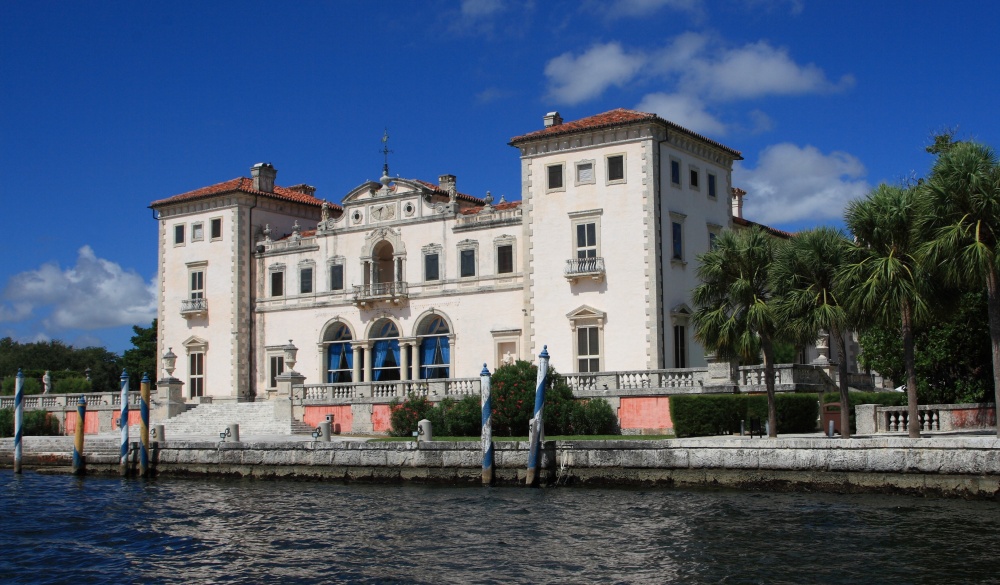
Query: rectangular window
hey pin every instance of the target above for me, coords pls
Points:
(694, 178)
(616, 168)
(680, 346)
(277, 368)
(196, 374)
(588, 349)
(178, 234)
(431, 267)
(505, 259)
(675, 172)
(277, 284)
(712, 236)
(197, 284)
(305, 281)
(468, 258)
(586, 240)
(711, 185)
(555, 177)
(216, 227)
(337, 277)
(678, 242)
(585, 172)
(197, 232)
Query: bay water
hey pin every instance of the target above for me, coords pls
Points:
(63, 529)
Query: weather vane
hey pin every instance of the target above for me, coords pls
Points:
(385, 152)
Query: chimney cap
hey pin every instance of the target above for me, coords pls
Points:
(552, 119)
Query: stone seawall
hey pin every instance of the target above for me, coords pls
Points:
(952, 466)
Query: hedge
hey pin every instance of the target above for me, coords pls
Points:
(37, 423)
(715, 414)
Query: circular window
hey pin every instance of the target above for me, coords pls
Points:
(356, 216)
(408, 209)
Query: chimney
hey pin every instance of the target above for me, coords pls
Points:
(304, 189)
(263, 175)
(738, 202)
(552, 119)
(447, 182)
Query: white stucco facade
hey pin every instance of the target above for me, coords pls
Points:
(408, 280)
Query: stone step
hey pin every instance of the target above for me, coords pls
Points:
(254, 418)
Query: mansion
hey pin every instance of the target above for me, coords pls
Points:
(406, 279)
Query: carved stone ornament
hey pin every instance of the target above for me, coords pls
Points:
(325, 211)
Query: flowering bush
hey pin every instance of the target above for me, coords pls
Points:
(405, 416)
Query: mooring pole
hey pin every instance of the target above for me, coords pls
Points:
(18, 418)
(487, 434)
(81, 415)
(538, 426)
(144, 428)
(123, 424)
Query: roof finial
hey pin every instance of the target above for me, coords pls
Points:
(385, 153)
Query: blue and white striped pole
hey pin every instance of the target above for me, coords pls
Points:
(123, 424)
(537, 424)
(18, 418)
(81, 415)
(144, 429)
(487, 434)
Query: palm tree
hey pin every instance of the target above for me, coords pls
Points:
(735, 314)
(805, 277)
(963, 194)
(883, 277)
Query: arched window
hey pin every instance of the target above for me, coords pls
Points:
(385, 351)
(434, 349)
(339, 355)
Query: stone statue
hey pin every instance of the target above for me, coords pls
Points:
(325, 211)
(47, 382)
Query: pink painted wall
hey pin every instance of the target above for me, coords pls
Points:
(381, 422)
(645, 413)
(91, 424)
(343, 418)
(973, 418)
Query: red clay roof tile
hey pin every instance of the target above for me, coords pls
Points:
(245, 185)
(618, 117)
(498, 207)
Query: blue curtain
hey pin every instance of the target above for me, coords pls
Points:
(434, 352)
(386, 356)
(340, 358)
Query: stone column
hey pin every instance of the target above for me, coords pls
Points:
(451, 356)
(283, 399)
(404, 360)
(356, 363)
(722, 375)
(368, 363)
(415, 365)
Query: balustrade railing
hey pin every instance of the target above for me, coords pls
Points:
(69, 401)
(462, 387)
(584, 266)
(194, 305)
(379, 290)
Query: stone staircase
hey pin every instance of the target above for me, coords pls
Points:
(254, 418)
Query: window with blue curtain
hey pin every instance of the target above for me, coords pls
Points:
(434, 349)
(385, 352)
(340, 363)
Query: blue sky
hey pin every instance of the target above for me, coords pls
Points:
(105, 107)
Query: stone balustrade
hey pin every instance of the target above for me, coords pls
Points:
(68, 402)
(873, 418)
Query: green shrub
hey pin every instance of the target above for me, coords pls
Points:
(593, 417)
(463, 418)
(31, 386)
(37, 423)
(71, 386)
(702, 415)
(405, 415)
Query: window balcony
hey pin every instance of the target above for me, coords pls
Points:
(395, 292)
(577, 268)
(194, 308)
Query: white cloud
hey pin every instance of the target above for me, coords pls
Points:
(751, 71)
(645, 7)
(575, 79)
(481, 8)
(94, 294)
(686, 110)
(792, 183)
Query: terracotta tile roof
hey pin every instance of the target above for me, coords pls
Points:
(773, 231)
(498, 207)
(302, 233)
(245, 185)
(437, 189)
(618, 117)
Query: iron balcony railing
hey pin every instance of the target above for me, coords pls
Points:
(194, 306)
(576, 267)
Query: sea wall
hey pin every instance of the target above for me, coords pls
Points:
(952, 466)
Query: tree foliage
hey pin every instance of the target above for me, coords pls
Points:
(141, 358)
(105, 366)
(736, 314)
